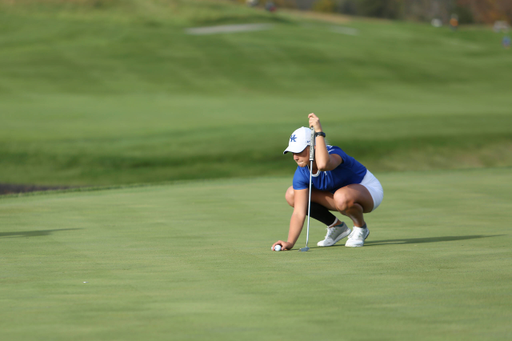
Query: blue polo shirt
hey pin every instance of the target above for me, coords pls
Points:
(350, 171)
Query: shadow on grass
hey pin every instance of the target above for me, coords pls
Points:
(425, 240)
(410, 241)
(39, 233)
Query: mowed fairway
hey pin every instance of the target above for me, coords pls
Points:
(193, 261)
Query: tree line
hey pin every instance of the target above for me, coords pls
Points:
(468, 11)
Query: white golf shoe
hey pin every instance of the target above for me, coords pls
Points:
(357, 237)
(335, 234)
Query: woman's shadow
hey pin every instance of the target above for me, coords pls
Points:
(425, 240)
(36, 233)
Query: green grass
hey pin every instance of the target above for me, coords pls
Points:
(193, 261)
(112, 93)
(115, 92)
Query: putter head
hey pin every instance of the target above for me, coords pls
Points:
(304, 249)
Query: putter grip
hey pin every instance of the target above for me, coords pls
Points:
(312, 145)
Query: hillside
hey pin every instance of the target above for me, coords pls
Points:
(113, 92)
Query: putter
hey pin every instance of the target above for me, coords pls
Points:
(311, 158)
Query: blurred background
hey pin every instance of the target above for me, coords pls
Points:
(467, 11)
(112, 92)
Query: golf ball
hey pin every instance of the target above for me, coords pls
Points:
(277, 248)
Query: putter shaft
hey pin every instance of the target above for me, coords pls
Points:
(311, 159)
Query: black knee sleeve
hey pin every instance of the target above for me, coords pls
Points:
(322, 214)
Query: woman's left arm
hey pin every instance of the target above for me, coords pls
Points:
(324, 161)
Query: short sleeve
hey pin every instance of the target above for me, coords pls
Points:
(300, 180)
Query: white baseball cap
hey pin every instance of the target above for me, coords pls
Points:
(299, 140)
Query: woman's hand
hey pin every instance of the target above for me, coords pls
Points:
(284, 245)
(314, 122)
(323, 160)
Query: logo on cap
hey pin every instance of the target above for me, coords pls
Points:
(293, 138)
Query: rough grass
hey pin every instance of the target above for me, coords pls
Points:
(146, 12)
(91, 95)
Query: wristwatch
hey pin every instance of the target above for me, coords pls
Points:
(321, 133)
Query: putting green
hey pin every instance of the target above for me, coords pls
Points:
(193, 261)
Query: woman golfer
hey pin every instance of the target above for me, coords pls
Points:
(339, 183)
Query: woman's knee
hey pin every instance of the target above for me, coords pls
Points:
(348, 197)
(290, 196)
(343, 201)
(340, 201)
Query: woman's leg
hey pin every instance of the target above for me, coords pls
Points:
(352, 201)
(318, 211)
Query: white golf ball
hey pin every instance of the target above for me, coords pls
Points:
(277, 248)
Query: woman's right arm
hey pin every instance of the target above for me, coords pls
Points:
(300, 211)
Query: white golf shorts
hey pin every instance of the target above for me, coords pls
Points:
(374, 187)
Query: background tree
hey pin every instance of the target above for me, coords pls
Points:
(488, 11)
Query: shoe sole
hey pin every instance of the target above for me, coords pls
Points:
(359, 245)
(340, 237)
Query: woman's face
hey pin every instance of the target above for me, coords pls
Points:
(302, 158)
